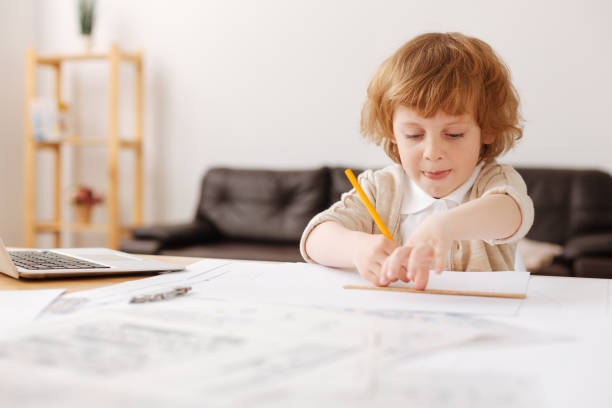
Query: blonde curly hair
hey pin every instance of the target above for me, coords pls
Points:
(448, 71)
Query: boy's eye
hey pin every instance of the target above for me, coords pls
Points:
(454, 135)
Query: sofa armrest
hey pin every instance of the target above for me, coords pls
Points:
(178, 234)
(589, 245)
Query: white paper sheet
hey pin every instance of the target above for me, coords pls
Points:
(298, 284)
(501, 282)
(205, 349)
(312, 285)
(18, 308)
(568, 305)
(425, 388)
(214, 351)
(122, 293)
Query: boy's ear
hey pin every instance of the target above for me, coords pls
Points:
(487, 138)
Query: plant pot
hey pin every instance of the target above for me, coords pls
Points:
(87, 43)
(83, 213)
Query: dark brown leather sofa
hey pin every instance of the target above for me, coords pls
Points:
(260, 215)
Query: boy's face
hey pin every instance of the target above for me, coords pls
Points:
(438, 153)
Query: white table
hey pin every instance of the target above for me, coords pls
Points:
(573, 371)
(565, 364)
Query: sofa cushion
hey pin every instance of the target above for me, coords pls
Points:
(339, 183)
(591, 209)
(568, 202)
(593, 267)
(549, 190)
(263, 204)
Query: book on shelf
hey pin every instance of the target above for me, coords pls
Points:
(49, 123)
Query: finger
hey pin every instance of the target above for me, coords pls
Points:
(397, 262)
(384, 270)
(372, 277)
(388, 269)
(439, 259)
(421, 264)
(369, 275)
(378, 279)
(404, 273)
(384, 276)
(383, 279)
(421, 258)
(420, 281)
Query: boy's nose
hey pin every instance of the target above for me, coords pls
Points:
(433, 149)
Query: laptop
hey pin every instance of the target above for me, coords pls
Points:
(55, 263)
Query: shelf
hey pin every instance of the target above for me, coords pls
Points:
(57, 226)
(111, 140)
(77, 141)
(58, 59)
(77, 227)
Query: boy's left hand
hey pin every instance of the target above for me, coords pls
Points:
(426, 249)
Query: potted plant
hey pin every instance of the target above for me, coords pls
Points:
(84, 199)
(86, 21)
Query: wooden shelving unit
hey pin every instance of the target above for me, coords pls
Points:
(112, 142)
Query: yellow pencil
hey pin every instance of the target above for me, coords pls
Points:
(368, 204)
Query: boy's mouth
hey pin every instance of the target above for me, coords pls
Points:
(436, 175)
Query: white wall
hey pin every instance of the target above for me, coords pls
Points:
(279, 84)
(16, 33)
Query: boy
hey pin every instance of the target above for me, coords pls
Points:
(443, 107)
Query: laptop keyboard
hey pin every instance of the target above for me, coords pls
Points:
(36, 260)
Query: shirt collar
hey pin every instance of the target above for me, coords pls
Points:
(416, 200)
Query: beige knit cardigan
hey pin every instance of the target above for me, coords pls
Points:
(384, 188)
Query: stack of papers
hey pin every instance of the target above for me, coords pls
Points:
(18, 308)
(246, 333)
(301, 284)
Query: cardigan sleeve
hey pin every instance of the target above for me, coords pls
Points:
(503, 179)
(350, 212)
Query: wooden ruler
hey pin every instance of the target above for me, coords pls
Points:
(439, 292)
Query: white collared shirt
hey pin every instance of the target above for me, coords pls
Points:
(417, 205)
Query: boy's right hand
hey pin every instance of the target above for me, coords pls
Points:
(369, 256)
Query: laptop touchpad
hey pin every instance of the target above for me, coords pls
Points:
(104, 256)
